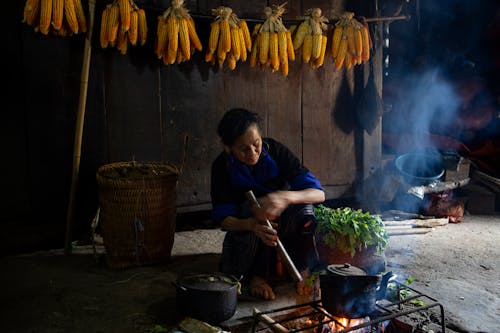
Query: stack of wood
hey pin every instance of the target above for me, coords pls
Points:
(400, 223)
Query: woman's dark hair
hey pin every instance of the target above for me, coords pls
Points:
(234, 123)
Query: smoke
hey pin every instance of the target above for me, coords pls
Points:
(426, 103)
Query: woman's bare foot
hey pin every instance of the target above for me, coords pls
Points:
(260, 288)
(303, 288)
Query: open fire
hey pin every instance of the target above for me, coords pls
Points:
(389, 317)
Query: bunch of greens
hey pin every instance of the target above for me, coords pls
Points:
(399, 293)
(350, 230)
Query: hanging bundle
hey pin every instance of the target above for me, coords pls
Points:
(311, 39)
(272, 45)
(229, 38)
(123, 23)
(57, 17)
(350, 42)
(176, 38)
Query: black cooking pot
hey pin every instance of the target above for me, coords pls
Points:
(420, 168)
(211, 298)
(347, 291)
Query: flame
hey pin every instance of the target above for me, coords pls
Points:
(341, 323)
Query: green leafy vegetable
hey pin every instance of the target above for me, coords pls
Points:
(350, 230)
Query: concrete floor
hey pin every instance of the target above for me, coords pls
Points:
(49, 292)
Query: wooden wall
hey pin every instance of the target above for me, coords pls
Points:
(140, 109)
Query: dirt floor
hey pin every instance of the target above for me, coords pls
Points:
(49, 292)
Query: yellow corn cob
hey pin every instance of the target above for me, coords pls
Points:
(282, 46)
(302, 31)
(350, 39)
(134, 28)
(57, 13)
(161, 37)
(231, 62)
(292, 29)
(284, 68)
(185, 45)
(348, 60)
(246, 34)
(221, 52)
(316, 45)
(214, 36)
(125, 9)
(336, 37)
(114, 13)
(70, 15)
(274, 51)
(307, 48)
(255, 51)
(256, 30)
(321, 59)
(142, 26)
(208, 56)
(225, 35)
(171, 55)
(193, 36)
(180, 56)
(103, 36)
(243, 47)
(45, 16)
(365, 52)
(339, 60)
(173, 36)
(122, 41)
(358, 41)
(283, 52)
(289, 45)
(263, 47)
(80, 16)
(235, 43)
(31, 11)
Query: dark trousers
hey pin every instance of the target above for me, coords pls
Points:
(245, 255)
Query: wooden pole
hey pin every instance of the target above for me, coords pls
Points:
(77, 147)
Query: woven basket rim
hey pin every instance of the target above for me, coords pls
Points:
(167, 169)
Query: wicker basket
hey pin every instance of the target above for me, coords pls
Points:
(138, 212)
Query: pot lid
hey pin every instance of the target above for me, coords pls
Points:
(207, 282)
(346, 270)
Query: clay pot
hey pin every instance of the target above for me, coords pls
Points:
(367, 259)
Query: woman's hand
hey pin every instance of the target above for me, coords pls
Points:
(268, 235)
(271, 206)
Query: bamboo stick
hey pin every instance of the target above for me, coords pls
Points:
(408, 231)
(77, 147)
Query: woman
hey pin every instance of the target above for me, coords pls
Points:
(286, 192)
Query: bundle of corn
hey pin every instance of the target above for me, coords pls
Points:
(229, 38)
(272, 45)
(176, 38)
(123, 23)
(351, 42)
(310, 37)
(57, 17)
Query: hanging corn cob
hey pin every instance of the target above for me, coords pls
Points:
(57, 17)
(350, 43)
(272, 45)
(311, 39)
(229, 40)
(176, 38)
(123, 23)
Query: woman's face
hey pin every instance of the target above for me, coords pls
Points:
(247, 147)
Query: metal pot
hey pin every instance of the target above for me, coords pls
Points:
(211, 298)
(347, 291)
(420, 168)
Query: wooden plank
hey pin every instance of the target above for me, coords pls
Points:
(190, 107)
(132, 111)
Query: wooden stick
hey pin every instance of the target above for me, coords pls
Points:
(408, 231)
(80, 117)
(427, 223)
(275, 326)
(281, 249)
